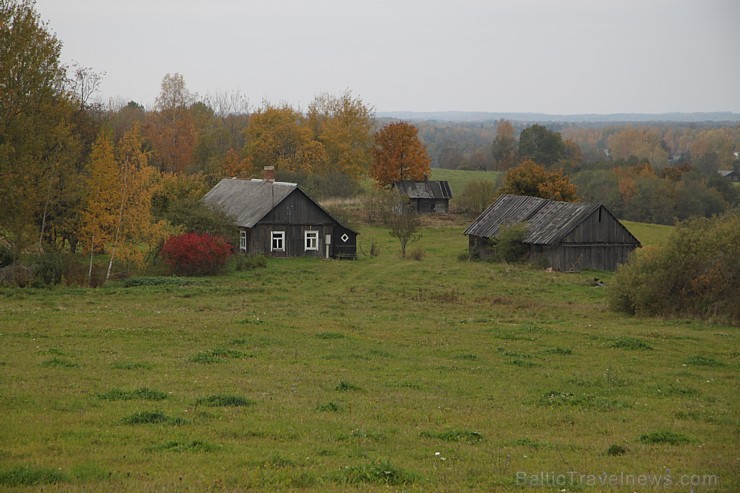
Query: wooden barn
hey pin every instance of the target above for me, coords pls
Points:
(570, 236)
(279, 219)
(427, 196)
(729, 174)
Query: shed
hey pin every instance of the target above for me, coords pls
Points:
(279, 219)
(427, 196)
(570, 236)
(729, 174)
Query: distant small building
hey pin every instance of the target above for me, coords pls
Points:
(570, 236)
(427, 196)
(279, 219)
(729, 174)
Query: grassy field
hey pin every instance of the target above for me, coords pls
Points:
(380, 373)
(459, 178)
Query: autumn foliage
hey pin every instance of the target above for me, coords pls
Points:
(399, 155)
(695, 274)
(193, 254)
(529, 178)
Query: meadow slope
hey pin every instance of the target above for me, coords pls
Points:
(441, 374)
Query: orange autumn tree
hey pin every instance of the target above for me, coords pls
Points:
(529, 178)
(398, 154)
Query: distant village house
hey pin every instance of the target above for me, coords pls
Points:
(730, 174)
(426, 196)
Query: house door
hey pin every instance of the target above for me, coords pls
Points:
(327, 243)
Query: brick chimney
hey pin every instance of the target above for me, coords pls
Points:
(268, 174)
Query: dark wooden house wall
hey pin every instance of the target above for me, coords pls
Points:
(571, 257)
(429, 206)
(261, 240)
(341, 248)
(600, 227)
(295, 215)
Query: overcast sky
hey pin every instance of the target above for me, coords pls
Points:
(549, 56)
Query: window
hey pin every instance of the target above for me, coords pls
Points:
(312, 240)
(243, 240)
(278, 241)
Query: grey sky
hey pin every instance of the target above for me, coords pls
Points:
(551, 56)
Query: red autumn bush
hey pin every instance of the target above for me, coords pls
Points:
(193, 254)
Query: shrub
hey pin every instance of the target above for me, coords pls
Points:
(509, 246)
(615, 450)
(696, 273)
(476, 196)
(193, 254)
(454, 436)
(6, 256)
(27, 476)
(247, 262)
(376, 473)
(417, 253)
(667, 436)
(221, 400)
(630, 343)
(49, 268)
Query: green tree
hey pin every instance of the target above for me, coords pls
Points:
(476, 196)
(402, 221)
(36, 141)
(541, 145)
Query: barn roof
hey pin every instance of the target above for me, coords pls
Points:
(548, 221)
(426, 189)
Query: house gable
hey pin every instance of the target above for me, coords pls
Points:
(297, 208)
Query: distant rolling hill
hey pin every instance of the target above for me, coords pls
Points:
(469, 117)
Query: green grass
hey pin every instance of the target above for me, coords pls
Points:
(649, 234)
(459, 178)
(364, 375)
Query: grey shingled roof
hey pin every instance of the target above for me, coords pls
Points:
(548, 220)
(426, 189)
(248, 201)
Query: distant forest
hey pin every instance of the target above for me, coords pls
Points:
(656, 172)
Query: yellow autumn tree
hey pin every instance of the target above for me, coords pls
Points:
(343, 126)
(399, 155)
(134, 223)
(103, 196)
(275, 136)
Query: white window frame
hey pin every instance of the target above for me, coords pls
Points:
(277, 241)
(311, 241)
(243, 240)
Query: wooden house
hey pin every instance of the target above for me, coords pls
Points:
(426, 196)
(729, 174)
(279, 219)
(570, 236)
